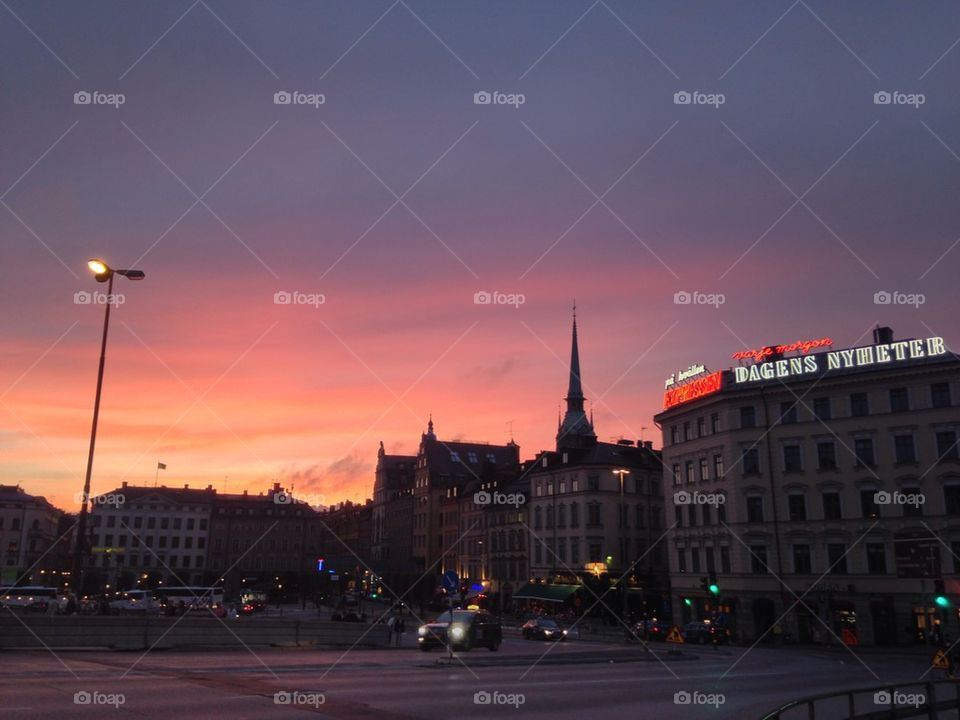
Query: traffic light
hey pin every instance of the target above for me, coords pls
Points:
(687, 601)
(712, 587)
(940, 598)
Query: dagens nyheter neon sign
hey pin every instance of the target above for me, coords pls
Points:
(702, 386)
(841, 360)
(761, 354)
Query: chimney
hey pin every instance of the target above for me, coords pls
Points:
(124, 483)
(882, 335)
(186, 487)
(648, 444)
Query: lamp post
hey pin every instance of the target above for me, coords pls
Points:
(622, 524)
(101, 273)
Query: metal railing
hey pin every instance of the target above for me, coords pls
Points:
(906, 700)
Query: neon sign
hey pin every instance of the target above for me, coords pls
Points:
(761, 354)
(684, 375)
(701, 387)
(841, 360)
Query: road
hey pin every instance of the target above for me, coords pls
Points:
(577, 679)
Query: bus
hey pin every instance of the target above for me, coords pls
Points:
(33, 597)
(191, 597)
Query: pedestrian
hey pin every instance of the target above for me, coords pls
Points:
(391, 621)
(401, 630)
(71, 608)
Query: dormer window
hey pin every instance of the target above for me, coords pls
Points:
(454, 456)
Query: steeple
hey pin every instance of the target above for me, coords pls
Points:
(575, 430)
(430, 428)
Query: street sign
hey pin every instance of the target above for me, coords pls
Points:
(849, 637)
(674, 636)
(917, 554)
(451, 581)
(940, 660)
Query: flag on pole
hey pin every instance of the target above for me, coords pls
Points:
(161, 466)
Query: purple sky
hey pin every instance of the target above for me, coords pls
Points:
(598, 187)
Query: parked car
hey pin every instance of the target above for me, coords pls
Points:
(543, 628)
(696, 632)
(465, 629)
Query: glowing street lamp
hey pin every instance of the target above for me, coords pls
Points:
(101, 273)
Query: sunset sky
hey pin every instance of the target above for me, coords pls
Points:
(399, 198)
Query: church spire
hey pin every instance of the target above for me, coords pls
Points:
(575, 429)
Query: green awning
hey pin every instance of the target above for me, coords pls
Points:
(545, 593)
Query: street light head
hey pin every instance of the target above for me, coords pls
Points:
(132, 274)
(100, 269)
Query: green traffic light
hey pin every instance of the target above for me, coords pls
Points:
(942, 601)
(687, 601)
(714, 589)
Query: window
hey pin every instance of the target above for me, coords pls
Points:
(826, 455)
(718, 466)
(837, 558)
(821, 408)
(701, 427)
(797, 506)
(151, 523)
(575, 551)
(704, 469)
(549, 516)
(912, 509)
(868, 504)
(454, 456)
(673, 434)
(640, 515)
(722, 512)
(724, 559)
(706, 514)
(593, 482)
(876, 559)
(788, 413)
(686, 430)
(801, 560)
(137, 521)
(903, 449)
(951, 499)
(758, 559)
(947, 445)
(755, 509)
(831, 506)
(681, 560)
(593, 514)
(537, 552)
(863, 451)
(538, 518)
(472, 458)
(751, 461)
(715, 423)
(792, 459)
(859, 405)
(562, 515)
(676, 475)
(692, 515)
(688, 471)
(899, 400)
(177, 523)
(940, 395)
(678, 515)
(164, 523)
(748, 416)
(695, 560)
(191, 523)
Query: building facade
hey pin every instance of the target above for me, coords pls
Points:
(596, 507)
(821, 487)
(29, 532)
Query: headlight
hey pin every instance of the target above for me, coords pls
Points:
(548, 632)
(456, 632)
(422, 630)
